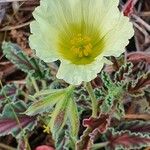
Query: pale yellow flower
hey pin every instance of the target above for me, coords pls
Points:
(79, 33)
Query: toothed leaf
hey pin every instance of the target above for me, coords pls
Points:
(33, 66)
(15, 123)
(136, 88)
(125, 139)
(46, 103)
(135, 126)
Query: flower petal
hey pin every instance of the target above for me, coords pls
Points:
(57, 21)
(100, 13)
(58, 13)
(118, 38)
(75, 74)
(44, 46)
(51, 17)
(108, 14)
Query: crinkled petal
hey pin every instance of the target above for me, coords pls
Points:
(118, 38)
(75, 74)
(58, 13)
(62, 17)
(102, 13)
(51, 17)
(108, 15)
(42, 43)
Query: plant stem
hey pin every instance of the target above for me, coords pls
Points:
(6, 147)
(84, 139)
(93, 99)
(137, 116)
(34, 84)
(99, 145)
(43, 84)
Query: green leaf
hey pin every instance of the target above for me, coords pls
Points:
(82, 99)
(123, 71)
(112, 99)
(112, 96)
(8, 91)
(106, 80)
(59, 103)
(99, 93)
(60, 114)
(73, 117)
(64, 112)
(62, 141)
(36, 67)
(136, 87)
(46, 103)
(128, 135)
(107, 104)
(120, 111)
(125, 139)
(135, 126)
(12, 121)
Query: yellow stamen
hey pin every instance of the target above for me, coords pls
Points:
(81, 46)
(46, 129)
(76, 50)
(80, 54)
(85, 52)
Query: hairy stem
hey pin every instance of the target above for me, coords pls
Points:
(93, 99)
(99, 145)
(6, 147)
(34, 84)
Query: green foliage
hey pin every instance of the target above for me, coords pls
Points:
(65, 111)
(123, 72)
(135, 126)
(45, 103)
(125, 139)
(62, 141)
(9, 90)
(62, 109)
(73, 118)
(33, 66)
(12, 121)
(136, 87)
(113, 95)
(116, 88)
(82, 99)
(59, 115)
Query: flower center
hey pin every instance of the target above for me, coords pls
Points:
(81, 46)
